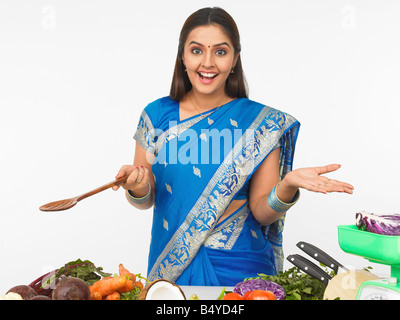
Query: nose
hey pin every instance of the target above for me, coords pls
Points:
(208, 60)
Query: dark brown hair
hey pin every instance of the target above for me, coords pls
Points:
(236, 86)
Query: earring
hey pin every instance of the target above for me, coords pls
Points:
(232, 71)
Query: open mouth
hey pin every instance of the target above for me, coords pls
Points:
(207, 75)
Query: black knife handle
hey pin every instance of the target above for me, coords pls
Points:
(310, 268)
(320, 256)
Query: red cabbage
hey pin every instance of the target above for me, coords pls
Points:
(260, 284)
(381, 224)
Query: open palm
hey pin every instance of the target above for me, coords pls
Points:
(312, 179)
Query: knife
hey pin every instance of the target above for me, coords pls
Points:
(320, 256)
(309, 267)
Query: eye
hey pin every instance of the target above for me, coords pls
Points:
(196, 51)
(220, 52)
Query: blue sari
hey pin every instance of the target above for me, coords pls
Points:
(201, 165)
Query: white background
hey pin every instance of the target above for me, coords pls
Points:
(75, 75)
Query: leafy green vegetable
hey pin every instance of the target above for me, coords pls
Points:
(297, 285)
(84, 270)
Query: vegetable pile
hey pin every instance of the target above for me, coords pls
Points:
(261, 285)
(250, 295)
(292, 284)
(123, 286)
(80, 280)
(297, 284)
(84, 270)
(380, 224)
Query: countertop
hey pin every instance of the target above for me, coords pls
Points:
(204, 292)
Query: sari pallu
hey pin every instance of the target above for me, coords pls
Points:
(201, 166)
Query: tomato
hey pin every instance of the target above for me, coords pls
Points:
(259, 295)
(232, 296)
(246, 295)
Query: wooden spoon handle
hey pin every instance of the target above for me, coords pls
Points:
(102, 188)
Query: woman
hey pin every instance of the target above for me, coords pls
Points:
(216, 166)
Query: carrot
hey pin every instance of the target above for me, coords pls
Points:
(114, 296)
(125, 272)
(95, 295)
(127, 287)
(99, 283)
(139, 284)
(108, 286)
(95, 285)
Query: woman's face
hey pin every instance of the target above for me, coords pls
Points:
(209, 57)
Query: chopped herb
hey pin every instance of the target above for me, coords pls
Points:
(297, 285)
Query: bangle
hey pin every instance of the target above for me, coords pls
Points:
(139, 200)
(279, 206)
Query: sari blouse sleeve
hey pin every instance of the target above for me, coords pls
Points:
(146, 134)
(287, 143)
(289, 129)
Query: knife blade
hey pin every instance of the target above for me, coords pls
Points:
(309, 267)
(320, 256)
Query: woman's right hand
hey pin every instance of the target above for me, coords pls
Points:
(137, 182)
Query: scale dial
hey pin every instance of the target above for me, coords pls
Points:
(378, 290)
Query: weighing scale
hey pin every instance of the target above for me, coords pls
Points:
(376, 248)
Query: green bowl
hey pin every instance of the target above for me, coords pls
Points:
(375, 247)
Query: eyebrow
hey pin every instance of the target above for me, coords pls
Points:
(215, 45)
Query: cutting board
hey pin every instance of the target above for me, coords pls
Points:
(345, 285)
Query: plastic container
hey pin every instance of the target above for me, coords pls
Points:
(375, 247)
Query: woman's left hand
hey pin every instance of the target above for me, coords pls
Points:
(312, 179)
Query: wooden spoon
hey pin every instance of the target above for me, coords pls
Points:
(69, 203)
